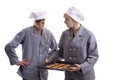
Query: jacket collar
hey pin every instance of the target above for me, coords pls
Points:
(35, 30)
(79, 32)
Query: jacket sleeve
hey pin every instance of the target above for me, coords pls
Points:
(56, 54)
(53, 49)
(92, 55)
(53, 45)
(10, 47)
(61, 44)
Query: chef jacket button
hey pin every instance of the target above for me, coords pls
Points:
(74, 58)
(74, 49)
(47, 46)
(70, 57)
(78, 38)
(69, 37)
(70, 49)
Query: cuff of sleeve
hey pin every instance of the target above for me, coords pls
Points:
(84, 69)
(15, 61)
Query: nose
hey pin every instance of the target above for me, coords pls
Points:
(65, 21)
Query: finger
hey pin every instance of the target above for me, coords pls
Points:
(26, 59)
(71, 70)
(46, 61)
(74, 68)
(23, 65)
(77, 65)
(26, 63)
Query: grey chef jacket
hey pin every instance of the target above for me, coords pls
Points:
(35, 47)
(81, 49)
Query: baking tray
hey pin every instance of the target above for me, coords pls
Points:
(60, 65)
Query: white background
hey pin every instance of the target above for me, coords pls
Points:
(102, 17)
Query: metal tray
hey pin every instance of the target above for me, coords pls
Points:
(60, 65)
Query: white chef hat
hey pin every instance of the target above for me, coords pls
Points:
(37, 15)
(75, 14)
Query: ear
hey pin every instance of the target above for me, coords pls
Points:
(35, 24)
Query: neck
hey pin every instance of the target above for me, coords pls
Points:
(39, 29)
(76, 28)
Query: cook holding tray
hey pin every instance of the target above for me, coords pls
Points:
(77, 45)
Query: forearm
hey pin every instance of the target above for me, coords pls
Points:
(10, 51)
(88, 64)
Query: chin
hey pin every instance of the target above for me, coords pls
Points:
(68, 26)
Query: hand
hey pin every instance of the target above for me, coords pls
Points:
(75, 67)
(24, 62)
(46, 61)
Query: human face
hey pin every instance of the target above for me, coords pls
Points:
(69, 21)
(40, 24)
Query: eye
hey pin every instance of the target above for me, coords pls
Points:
(43, 23)
(66, 19)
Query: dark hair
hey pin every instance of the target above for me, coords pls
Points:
(37, 21)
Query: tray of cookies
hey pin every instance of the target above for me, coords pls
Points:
(60, 65)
